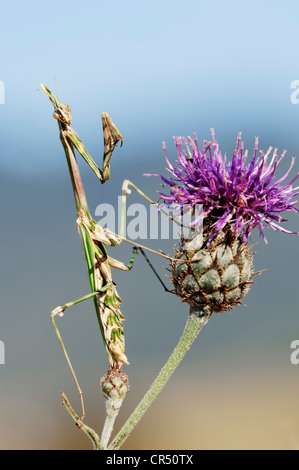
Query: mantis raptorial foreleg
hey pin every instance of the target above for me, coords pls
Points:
(111, 137)
(110, 133)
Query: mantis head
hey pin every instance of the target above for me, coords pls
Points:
(62, 111)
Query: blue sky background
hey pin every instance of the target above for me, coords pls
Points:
(159, 69)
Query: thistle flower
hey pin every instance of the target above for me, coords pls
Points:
(236, 197)
(243, 196)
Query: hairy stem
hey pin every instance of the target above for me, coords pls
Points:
(112, 409)
(197, 318)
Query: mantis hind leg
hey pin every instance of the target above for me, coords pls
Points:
(60, 312)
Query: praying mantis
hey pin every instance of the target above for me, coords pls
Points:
(94, 238)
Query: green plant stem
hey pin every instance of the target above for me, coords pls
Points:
(197, 318)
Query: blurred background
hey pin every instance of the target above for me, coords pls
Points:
(159, 69)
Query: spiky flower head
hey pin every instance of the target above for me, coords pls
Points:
(214, 271)
(232, 193)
